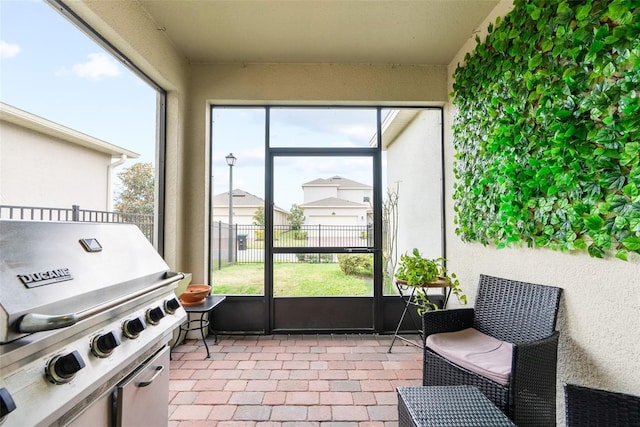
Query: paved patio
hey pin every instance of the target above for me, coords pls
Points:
(291, 380)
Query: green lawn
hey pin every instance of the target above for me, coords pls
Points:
(292, 279)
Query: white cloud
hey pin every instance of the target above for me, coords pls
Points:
(99, 65)
(8, 50)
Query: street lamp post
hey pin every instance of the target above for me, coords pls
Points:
(231, 161)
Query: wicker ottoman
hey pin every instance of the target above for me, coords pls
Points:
(447, 406)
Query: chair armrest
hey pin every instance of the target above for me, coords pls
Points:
(533, 378)
(590, 406)
(535, 353)
(437, 321)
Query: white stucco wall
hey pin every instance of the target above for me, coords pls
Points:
(414, 162)
(335, 216)
(599, 320)
(40, 170)
(242, 215)
(355, 195)
(311, 194)
(306, 84)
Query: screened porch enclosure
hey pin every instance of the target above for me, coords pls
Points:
(297, 238)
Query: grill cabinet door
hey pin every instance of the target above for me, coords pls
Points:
(143, 399)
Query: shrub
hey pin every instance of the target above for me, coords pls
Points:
(259, 235)
(315, 258)
(358, 264)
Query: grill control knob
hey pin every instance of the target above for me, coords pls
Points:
(154, 315)
(103, 345)
(171, 306)
(61, 369)
(6, 403)
(132, 327)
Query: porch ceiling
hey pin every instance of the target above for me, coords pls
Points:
(423, 32)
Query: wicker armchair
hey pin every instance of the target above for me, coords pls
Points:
(520, 313)
(589, 407)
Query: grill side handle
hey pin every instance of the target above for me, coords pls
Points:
(34, 322)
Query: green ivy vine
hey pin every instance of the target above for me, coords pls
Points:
(547, 130)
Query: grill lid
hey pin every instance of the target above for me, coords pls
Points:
(66, 270)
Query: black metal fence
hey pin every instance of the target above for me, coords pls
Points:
(245, 243)
(33, 213)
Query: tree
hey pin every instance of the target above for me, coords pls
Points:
(390, 231)
(296, 217)
(137, 191)
(258, 217)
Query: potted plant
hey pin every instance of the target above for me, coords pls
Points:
(422, 273)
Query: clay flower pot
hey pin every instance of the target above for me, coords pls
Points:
(194, 295)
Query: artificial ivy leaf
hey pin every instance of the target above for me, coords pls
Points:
(595, 251)
(622, 254)
(603, 31)
(609, 70)
(594, 222)
(596, 47)
(629, 104)
(580, 244)
(580, 208)
(621, 222)
(582, 12)
(603, 136)
(611, 39)
(632, 148)
(632, 243)
(604, 208)
(602, 240)
(634, 175)
(618, 203)
(612, 180)
(616, 10)
(630, 190)
(629, 160)
(542, 241)
(622, 31)
(579, 36)
(627, 18)
(535, 61)
(534, 11)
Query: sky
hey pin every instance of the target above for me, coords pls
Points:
(241, 131)
(51, 69)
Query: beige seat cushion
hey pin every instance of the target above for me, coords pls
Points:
(475, 351)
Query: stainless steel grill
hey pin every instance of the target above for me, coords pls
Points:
(86, 314)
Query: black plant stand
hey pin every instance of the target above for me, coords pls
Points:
(210, 303)
(411, 306)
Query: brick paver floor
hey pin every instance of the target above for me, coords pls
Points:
(291, 380)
